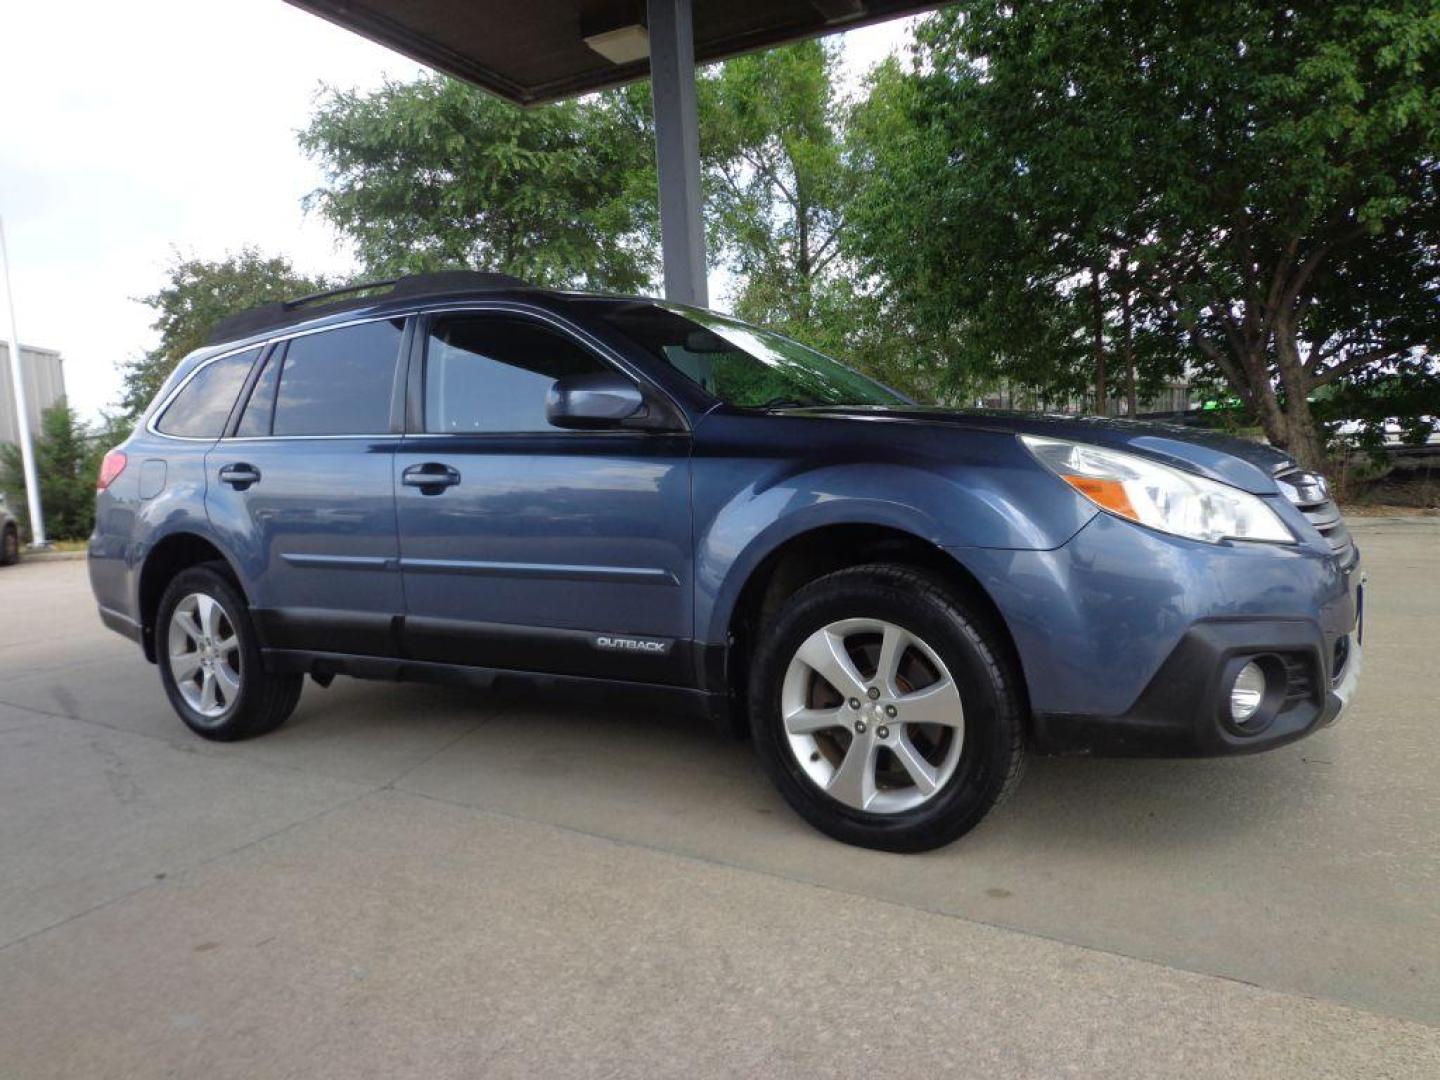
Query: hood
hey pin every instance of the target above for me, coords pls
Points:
(1239, 462)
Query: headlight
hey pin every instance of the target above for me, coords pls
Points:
(1156, 495)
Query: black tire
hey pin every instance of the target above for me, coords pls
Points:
(10, 546)
(992, 752)
(264, 700)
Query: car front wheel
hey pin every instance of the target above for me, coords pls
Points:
(885, 709)
(210, 662)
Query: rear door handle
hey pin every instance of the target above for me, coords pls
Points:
(239, 476)
(431, 478)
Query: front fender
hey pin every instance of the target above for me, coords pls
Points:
(988, 507)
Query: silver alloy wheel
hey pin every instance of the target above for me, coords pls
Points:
(204, 655)
(872, 715)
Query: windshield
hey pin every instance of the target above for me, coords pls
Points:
(741, 364)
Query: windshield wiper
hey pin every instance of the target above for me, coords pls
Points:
(782, 403)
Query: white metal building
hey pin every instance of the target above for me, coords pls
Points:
(44, 373)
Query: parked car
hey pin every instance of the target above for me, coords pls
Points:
(466, 479)
(9, 534)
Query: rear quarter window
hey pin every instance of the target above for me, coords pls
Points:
(203, 405)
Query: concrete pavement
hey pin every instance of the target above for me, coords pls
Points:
(407, 880)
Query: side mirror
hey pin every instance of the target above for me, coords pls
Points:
(593, 401)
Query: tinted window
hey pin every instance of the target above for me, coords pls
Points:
(490, 374)
(338, 382)
(201, 409)
(255, 420)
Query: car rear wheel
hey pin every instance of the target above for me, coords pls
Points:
(885, 710)
(10, 546)
(210, 663)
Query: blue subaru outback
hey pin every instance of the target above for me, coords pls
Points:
(468, 480)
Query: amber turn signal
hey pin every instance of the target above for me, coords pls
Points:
(1109, 494)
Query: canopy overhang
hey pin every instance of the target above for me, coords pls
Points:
(535, 51)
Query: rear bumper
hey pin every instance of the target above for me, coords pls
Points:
(122, 624)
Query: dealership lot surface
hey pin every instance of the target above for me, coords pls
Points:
(412, 881)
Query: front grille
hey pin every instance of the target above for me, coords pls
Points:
(1310, 493)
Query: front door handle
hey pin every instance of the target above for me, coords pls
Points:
(431, 478)
(239, 476)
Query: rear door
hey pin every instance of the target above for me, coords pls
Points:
(537, 548)
(302, 489)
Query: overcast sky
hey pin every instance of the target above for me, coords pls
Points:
(131, 130)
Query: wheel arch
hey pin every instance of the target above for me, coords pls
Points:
(174, 553)
(815, 552)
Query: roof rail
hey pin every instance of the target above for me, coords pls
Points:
(285, 312)
(344, 290)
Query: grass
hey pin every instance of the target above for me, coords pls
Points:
(67, 545)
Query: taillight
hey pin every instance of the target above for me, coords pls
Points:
(110, 468)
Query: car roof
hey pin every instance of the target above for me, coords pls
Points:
(370, 297)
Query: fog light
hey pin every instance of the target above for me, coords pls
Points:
(1247, 693)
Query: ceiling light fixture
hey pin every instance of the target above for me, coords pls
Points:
(623, 45)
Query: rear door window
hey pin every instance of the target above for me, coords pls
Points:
(200, 410)
(339, 382)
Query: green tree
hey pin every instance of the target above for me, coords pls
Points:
(783, 153)
(778, 177)
(199, 294)
(1244, 187)
(435, 175)
(67, 460)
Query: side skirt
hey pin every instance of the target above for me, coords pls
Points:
(714, 707)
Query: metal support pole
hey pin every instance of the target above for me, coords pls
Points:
(22, 410)
(677, 150)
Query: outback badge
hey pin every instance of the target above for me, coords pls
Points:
(630, 644)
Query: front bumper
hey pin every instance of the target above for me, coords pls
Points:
(1185, 709)
(1129, 639)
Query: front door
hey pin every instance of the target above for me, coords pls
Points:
(527, 547)
(303, 491)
